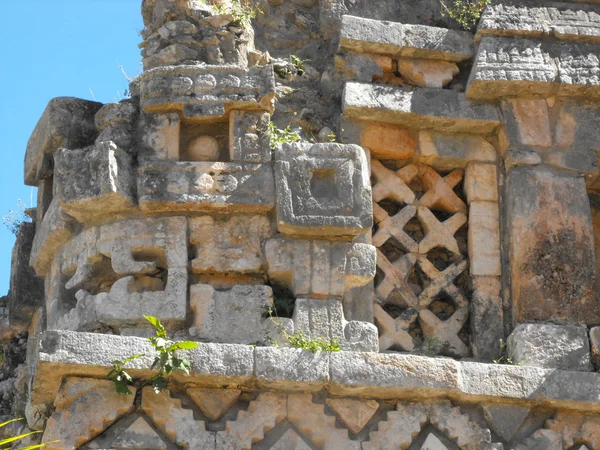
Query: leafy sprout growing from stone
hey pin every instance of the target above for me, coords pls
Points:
(279, 136)
(465, 12)
(504, 357)
(166, 361)
(242, 13)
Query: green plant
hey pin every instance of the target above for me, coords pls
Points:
(504, 357)
(281, 136)
(167, 361)
(297, 63)
(10, 440)
(431, 345)
(242, 13)
(465, 12)
(13, 220)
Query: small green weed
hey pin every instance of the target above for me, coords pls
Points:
(465, 12)
(504, 357)
(13, 220)
(166, 361)
(242, 13)
(300, 340)
(278, 136)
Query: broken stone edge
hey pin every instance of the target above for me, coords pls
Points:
(378, 375)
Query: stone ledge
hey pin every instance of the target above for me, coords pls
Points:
(68, 353)
(402, 40)
(565, 21)
(437, 109)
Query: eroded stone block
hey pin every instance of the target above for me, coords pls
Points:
(388, 141)
(551, 246)
(248, 137)
(160, 136)
(68, 428)
(94, 182)
(481, 183)
(207, 92)
(552, 346)
(527, 121)
(442, 110)
(353, 413)
(322, 189)
(484, 239)
(67, 122)
(236, 316)
(319, 268)
(486, 324)
(228, 245)
(427, 73)
(115, 122)
(165, 186)
(451, 151)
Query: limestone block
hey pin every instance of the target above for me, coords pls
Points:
(433, 443)
(173, 420)
(290, 441)
(171, 55)
(354, 414)
(484, 239)
(427, 73)
(55, 229)
(578, 70)
(248, 137)
(487, 325)
(165, 186)
(387, 141)
(573, 22)
(67, 122)
(26, 292)
(207, 92)
(317, 318)
(416, 41)
(551, 246)
(214, 403)
(236, 316)
(291, 368)
(310, 419)
(101, 402)
(263, 414)
(319, 268)
(451, 151)
(322, 189)
(481, 183)
(551, 346)
(139, 435)
(527, 122)
(399, 427)
(541, 440)
(95, 181)
(441, 110)
(160, 136)
(115, 122)
(228, 245)
(505, 420)
(573, 427)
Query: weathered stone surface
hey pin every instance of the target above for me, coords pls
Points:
(248, 137)
(527, 122)
(427, 73)
(322, 189)
(459, 427)
(484, 239)
(311, 421)
(207, 92)
(551, 247)
(94, 182)
(160, 137)
(231, 245)
(442, 110)
(291, 369)
(176, 422)
(399, 428)
(552, 346)
(235, 316)
(165, 186)
(354, 414)
(102, 403)
(415, 41)
(481, 183)
(67, 122)
(541, 440)
(139, 435)
(115, 122)
(487, 325)
(319, 268)
(452, 151)
(263, 414)
(574, 22)
(26, 292)
(505, 420)
(575, 427)
(433, 443)
(56, 229)
(214, 403)
(387, 141)
(509, 67)
(290, 441)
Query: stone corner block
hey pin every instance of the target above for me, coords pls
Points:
(322, 189)
(67, 122)
(551, 346)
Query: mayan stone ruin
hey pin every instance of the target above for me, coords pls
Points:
(382, 230)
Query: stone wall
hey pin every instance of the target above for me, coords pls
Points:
(434, 212)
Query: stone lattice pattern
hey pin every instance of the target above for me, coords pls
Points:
(418, 215)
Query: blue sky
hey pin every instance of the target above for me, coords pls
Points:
(54, 48)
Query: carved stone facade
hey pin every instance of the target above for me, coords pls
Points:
(447, 241)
